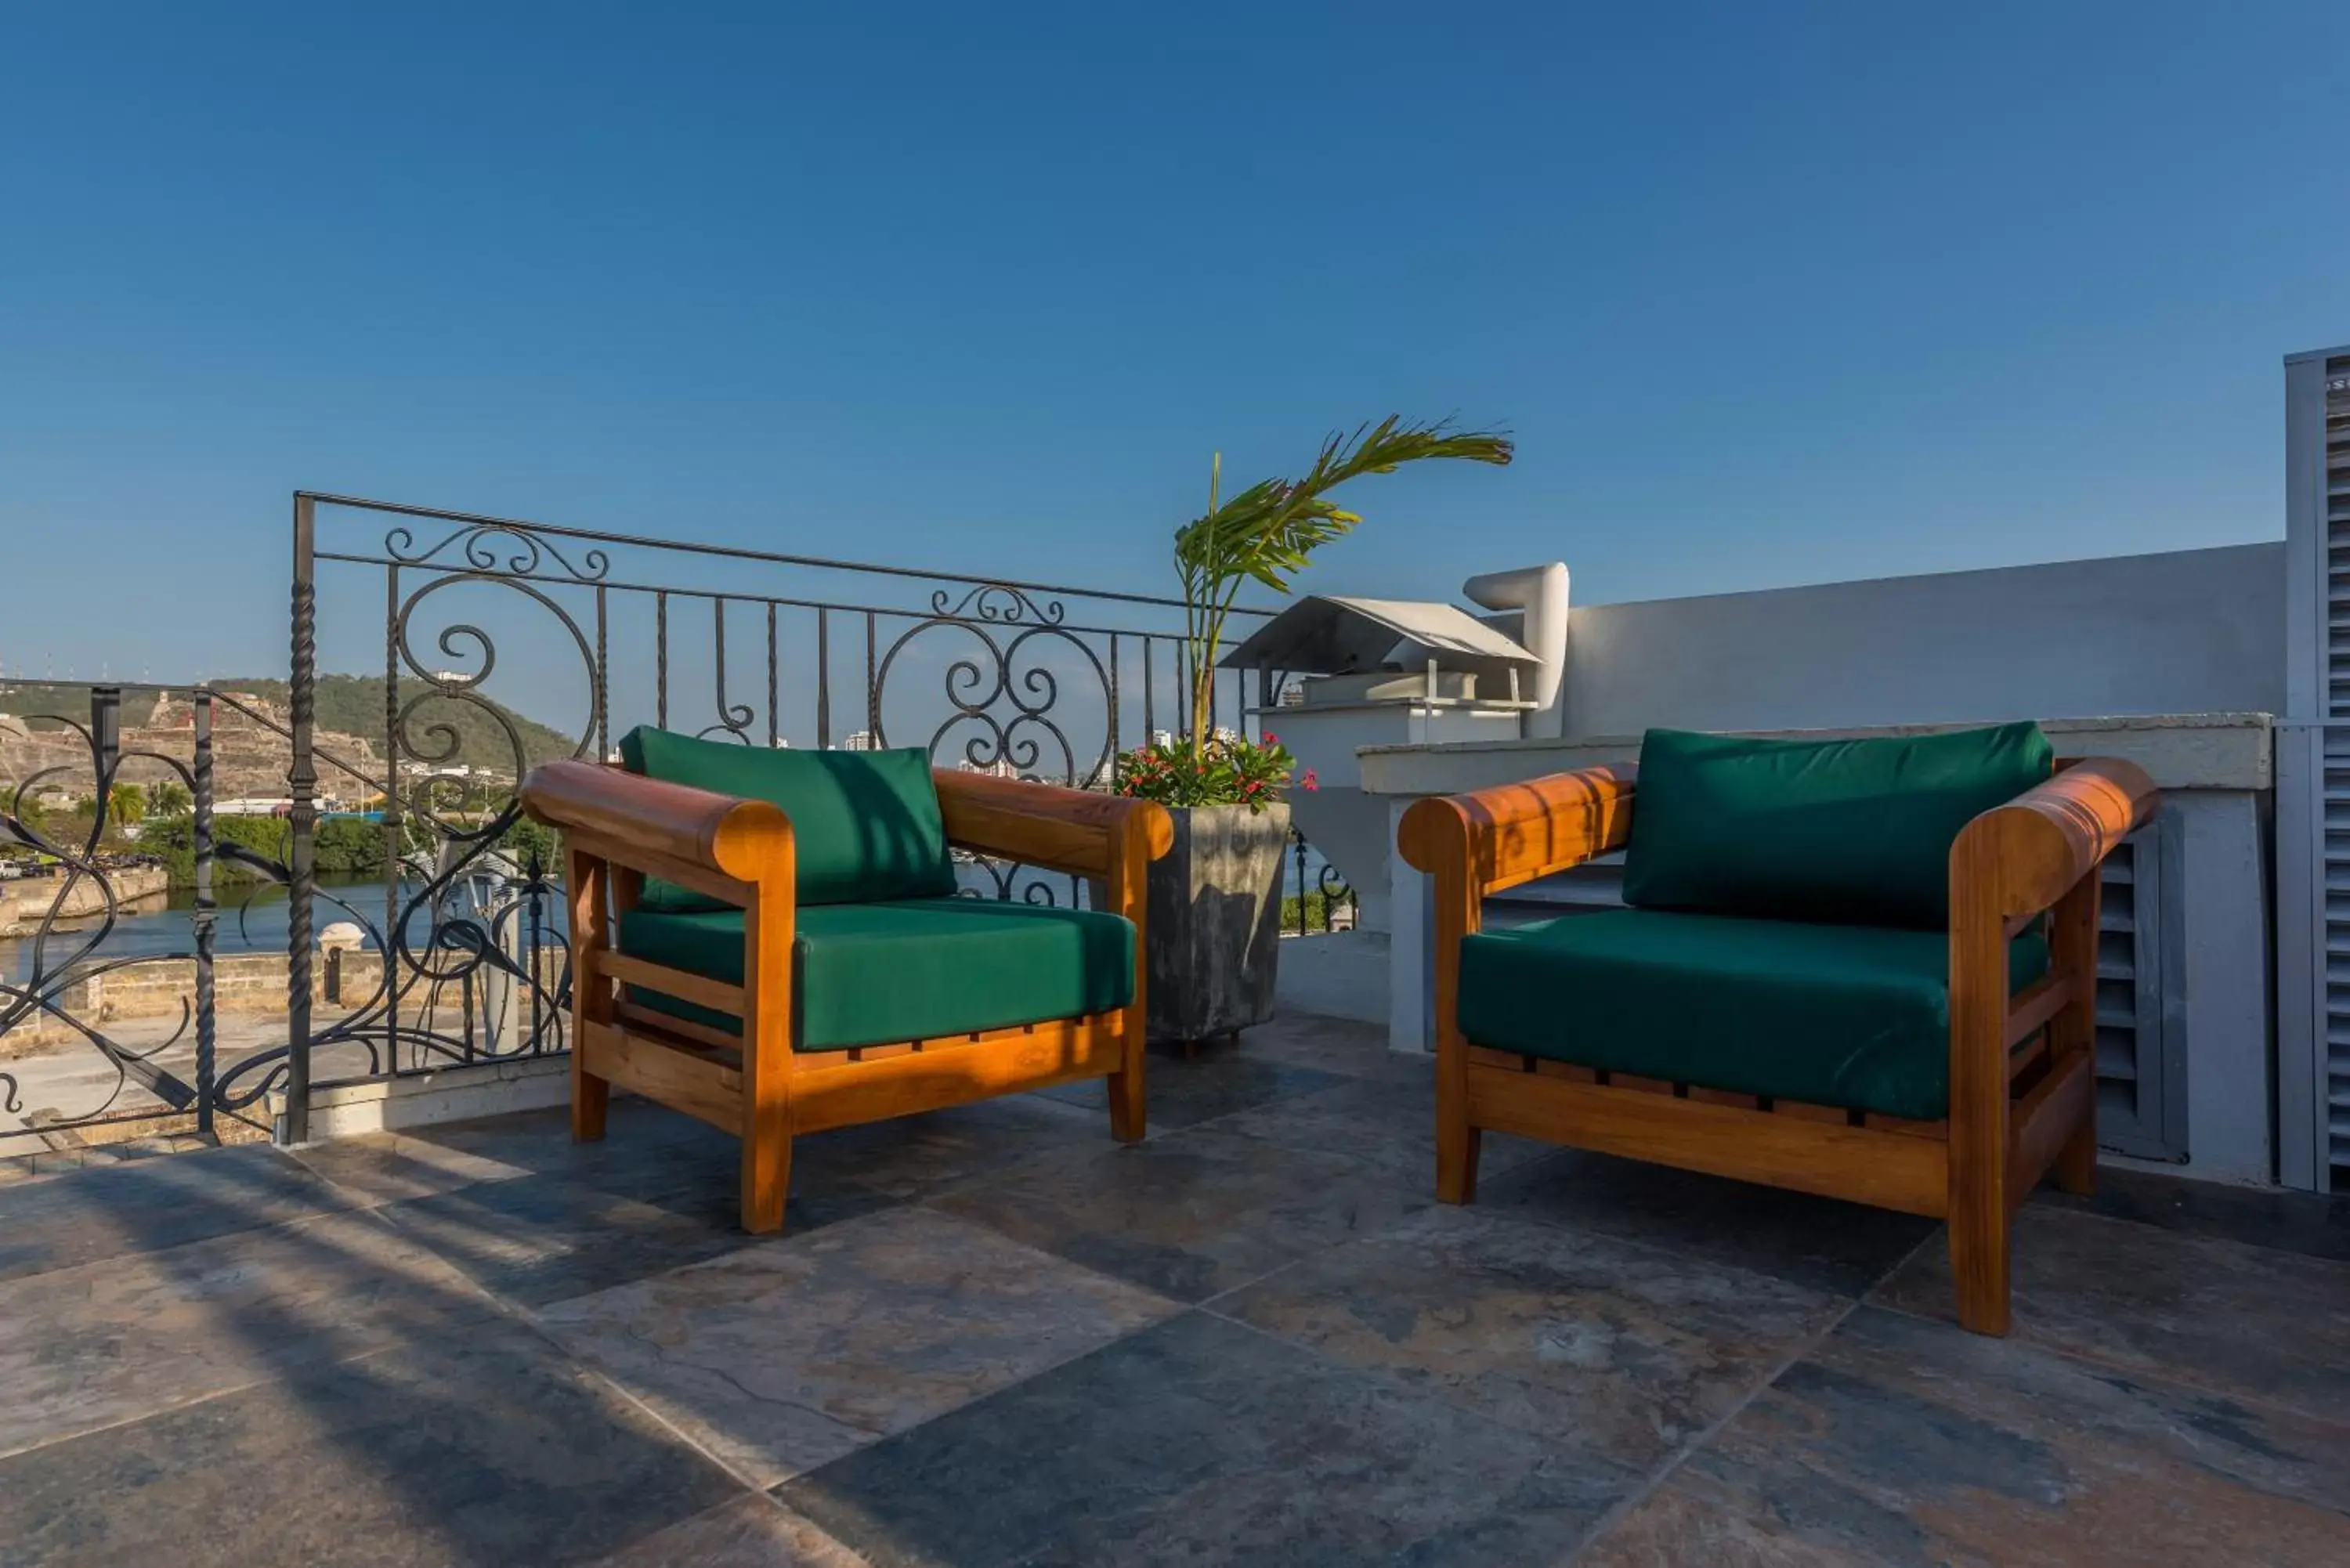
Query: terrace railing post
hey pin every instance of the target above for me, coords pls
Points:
(206, 917)
(1297, 841)
(302, 820)
(823, 679)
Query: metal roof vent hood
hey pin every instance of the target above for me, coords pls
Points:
(1367, 672)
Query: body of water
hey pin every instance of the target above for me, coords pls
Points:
(253, 918)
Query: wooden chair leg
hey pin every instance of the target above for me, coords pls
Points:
(1126, 1099)
(767, 1180)
(767, 1061)
(2076, 1162)
(1979, 1262)
(591, 1001)
(590, 1097)
(1457, 1147)
(1458, 1142)
(1128, 1116)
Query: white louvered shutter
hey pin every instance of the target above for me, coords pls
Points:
(2313, 782)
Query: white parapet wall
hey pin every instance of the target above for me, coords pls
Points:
(2216, 771)
(2186, 631)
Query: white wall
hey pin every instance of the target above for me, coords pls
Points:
(2190, 632)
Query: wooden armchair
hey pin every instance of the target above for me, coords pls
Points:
(2021, 1088)
(714, 1027)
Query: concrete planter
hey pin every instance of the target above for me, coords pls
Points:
(1216, 921)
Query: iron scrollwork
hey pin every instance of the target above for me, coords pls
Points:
(60, 964)
(1009, 699)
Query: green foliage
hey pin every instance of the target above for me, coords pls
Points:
(529, 841)
(173, 842)
(170, 798)
(1266, 533)
(1318, 905)
(126, 803)
(1222, 770)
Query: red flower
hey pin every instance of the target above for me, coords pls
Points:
(1269, 739)
(1308, 781)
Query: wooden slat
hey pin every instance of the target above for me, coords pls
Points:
(1803, 1110)
(1937, 1130)
(2072, 951)
(1888, 1171)
(1516, 833)
(716, 833)
(681, 1077)
(1048, 843)
(1640, 1085)
(703, 879)
(2035, 1005)
(2020, 1062)
(644, 1020)
(698, 989)
(1507, 1060)
(1075, 830)
(2045, 1120)
(950, 1073)
(2024, 856)
(1724, 1097)
(1565, 1071)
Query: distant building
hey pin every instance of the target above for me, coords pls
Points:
(859, 741)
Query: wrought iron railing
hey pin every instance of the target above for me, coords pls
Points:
(757, 647)
(458, 948)
(479, 960)
(61, 906)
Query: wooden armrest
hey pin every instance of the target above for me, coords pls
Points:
(736, 837)
(1073, 830)
(2030, 852)
(1516, 833)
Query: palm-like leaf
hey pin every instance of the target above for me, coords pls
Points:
(1267, 532)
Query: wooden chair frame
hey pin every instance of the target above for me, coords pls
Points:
(2022, 1093)
(621, 828)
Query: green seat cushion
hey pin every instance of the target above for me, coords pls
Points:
(865, 826)
(1854, 832)
(874, 974)
(1854, 1016)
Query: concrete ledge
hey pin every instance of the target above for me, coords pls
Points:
(446, 1094)
(2182, 751)
(1339, 974)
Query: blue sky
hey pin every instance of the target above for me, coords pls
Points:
(1769, 293)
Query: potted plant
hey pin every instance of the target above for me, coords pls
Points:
(1215, 901)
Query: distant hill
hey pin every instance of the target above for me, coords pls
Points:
(353, 704)
(350, 705)
(26, 699)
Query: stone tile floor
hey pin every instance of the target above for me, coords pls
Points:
(993, 1336)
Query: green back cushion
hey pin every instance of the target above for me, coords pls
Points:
(865, 824)
(1854, 832)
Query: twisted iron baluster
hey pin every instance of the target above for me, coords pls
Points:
(302, 787)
